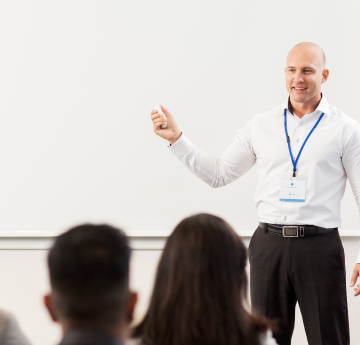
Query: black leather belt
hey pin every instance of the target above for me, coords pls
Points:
(295, 230)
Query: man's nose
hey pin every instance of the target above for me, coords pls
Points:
(298, 77)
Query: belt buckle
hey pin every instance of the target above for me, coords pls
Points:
(290, 231)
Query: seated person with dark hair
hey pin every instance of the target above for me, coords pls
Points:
(89, 276)
(200, 291)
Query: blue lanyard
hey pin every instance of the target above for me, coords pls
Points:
(288, 141)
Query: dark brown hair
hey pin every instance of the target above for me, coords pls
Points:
(200, 290)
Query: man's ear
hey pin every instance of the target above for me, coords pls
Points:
(49, 304)
(132, 300)
(325, 74)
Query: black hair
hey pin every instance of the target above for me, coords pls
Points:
(89, 274)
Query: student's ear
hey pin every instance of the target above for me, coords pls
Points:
(132, 300)
(50, 307)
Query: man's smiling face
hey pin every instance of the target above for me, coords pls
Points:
(305, 72)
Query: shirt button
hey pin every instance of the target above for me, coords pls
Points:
(301, 123)
(297, 140)
(285, 218)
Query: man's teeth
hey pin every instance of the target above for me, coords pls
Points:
(299, 88)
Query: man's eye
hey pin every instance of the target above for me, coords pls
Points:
(307, 71)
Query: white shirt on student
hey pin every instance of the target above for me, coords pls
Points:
(331, 154)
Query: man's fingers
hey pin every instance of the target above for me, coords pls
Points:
(157, 116)
(357, 290)
(157, 126)
(165, 111)
(354, 277)
(154, 111)
(160, 120)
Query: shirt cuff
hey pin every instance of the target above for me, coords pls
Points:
(358, 259)
(181, 146)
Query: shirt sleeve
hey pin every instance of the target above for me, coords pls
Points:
(351, 163)
(234, 162)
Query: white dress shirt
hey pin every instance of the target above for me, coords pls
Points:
(331, 154)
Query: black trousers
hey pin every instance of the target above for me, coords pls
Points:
(307, 270)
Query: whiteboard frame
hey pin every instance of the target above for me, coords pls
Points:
(139, 240)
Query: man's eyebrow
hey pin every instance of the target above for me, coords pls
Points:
(309, 67)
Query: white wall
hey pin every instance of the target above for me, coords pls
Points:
(24, 280)
(79, 79)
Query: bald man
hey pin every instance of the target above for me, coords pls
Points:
(304, 151)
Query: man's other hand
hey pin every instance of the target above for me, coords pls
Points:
(354, 278)
(171, 133)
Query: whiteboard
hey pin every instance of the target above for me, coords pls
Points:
(78, 80)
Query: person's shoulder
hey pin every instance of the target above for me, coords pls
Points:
(11, 334)
(4, 322)
(339, 115)
(264, 118)
(276, 112)
(4, 315)
(349, 127)
(259, 122)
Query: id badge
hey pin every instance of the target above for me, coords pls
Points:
(292, 189)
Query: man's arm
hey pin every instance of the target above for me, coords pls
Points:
(234, 162)
(351, 163)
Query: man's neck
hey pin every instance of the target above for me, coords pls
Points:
(121, 332)
(301, 109)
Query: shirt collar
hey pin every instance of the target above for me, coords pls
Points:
(322, 107)
(89, 337)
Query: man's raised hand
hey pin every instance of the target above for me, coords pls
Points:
(171, 133)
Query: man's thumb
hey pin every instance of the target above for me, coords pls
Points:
(354, 278)
(165, 111)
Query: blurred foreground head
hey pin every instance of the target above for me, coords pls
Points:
(89, 276)
(200, 289)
